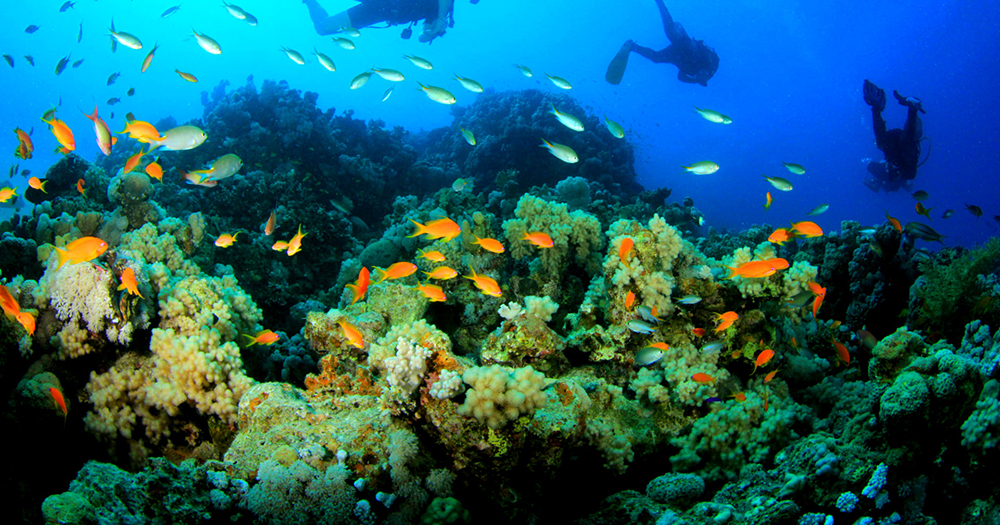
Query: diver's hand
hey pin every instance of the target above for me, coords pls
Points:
(433, 29)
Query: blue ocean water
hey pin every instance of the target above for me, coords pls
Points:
(790, 76)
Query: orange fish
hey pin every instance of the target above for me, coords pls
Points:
(141, 131)
(795, 344)
(433, 256)
(739, 397)
(624, 249)
(432, 292)
(280, 246)
(80, 188)
(186, 76)
(842, 353)
(441, 273)
(770, 375)
(198, 178)
(62, 134)
(104, 137)
(703, 378)
(767, 205)
(446, 229)
(486, 284)
(758, 269)
(81, 250)
(698, 332)
(629, 300)
(38, 184)
(149, 59)
(540, 239)
(226, 240)
(270, 224)
(10, 307)
(264, 337)
(360, 287)
(24, 146)
(894, 222)
(490, 245)
(662, 346)
(766, 404)
(133, 161)
(807, 229)
(60, 402)
(820, 293)
(762, 359)
(396, 271)
(921, 210)
(7, 193)
(781, 236)
(725, 320)
(352, 334)
(154, 170)
(129, 282)
(295, 243)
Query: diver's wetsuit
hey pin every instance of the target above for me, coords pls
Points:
(695, 61)
(370, 12)
(901, 147)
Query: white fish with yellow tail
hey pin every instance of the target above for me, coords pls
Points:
(126, 39)
(422, 63)
(469, 137)
(779, 183)
(469, 84)
(207, 43)
(181, 138)
(560, 151)
(713, 116)
(224, 167)
(795, 168)
(350, 31)
(566, 119)
(525, 70)
(615, 128)
(235, 10)
(389, 74)
(560, 82)
(361, 79)
(438, 94)
(705, 167)
(324, 60)
(343, 42)
(294, 56)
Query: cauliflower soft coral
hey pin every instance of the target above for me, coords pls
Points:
(567, 229)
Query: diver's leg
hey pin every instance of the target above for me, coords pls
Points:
(909, 143)
(669, 27)
(323, 22)
(663, 56)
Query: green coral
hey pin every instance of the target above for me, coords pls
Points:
(950, 292)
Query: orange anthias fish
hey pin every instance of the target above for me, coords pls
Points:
(226, 240)
(81, 250)
(104, 137)
(154, 170)
(271, 223)
(758, 269)
(702, 378)
(446, 229)
(141, 131)
(10, 307)
(396, 271)
(781, 236)
(295, 243)
(133, 161)
(725, 320)
(819, 292)
(490, 245)
(433, 256)
(770, 375)
(807, 229)
(698, 332)
(540, 239)
(894, 222)
(629, 300)
(624, 249)
(739, 396)
(62, 133)
(24, 146)
(280, 246)
(441, 273)
(80, 188)
(129, 282)
(352, 334)
(921, 210)
(360, 287)
(38, 184)
(7, 193)
(486, 284)
(60, 402)
(264, 337)
(432, 292)
(762, 359)
(842, 354)
(767, 205)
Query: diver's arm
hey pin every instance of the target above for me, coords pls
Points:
(323, 22)
(668, 21)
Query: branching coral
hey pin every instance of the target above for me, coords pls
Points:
(574, 231)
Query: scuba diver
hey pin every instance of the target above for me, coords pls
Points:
(437, 15)
(900, 146)
(695, 61)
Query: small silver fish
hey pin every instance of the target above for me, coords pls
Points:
(819, 209)
(639, 327)
(385, 96)
(648, 355)
(713, 347)
(689, 299)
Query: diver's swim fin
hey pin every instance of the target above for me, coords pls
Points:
(616, 69)
(874, 95)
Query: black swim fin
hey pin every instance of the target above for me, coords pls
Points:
(874, 95)
(616, 69)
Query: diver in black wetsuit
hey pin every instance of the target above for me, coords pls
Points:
(436, 14)
(900, 146)
(695, 61)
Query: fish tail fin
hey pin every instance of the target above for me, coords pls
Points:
(733, 272)
(421, 229)
(253, 341)
(381, 275)
(355, 292)
(63, 257)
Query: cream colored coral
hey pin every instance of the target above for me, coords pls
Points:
(577, 231)
(500, 395)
